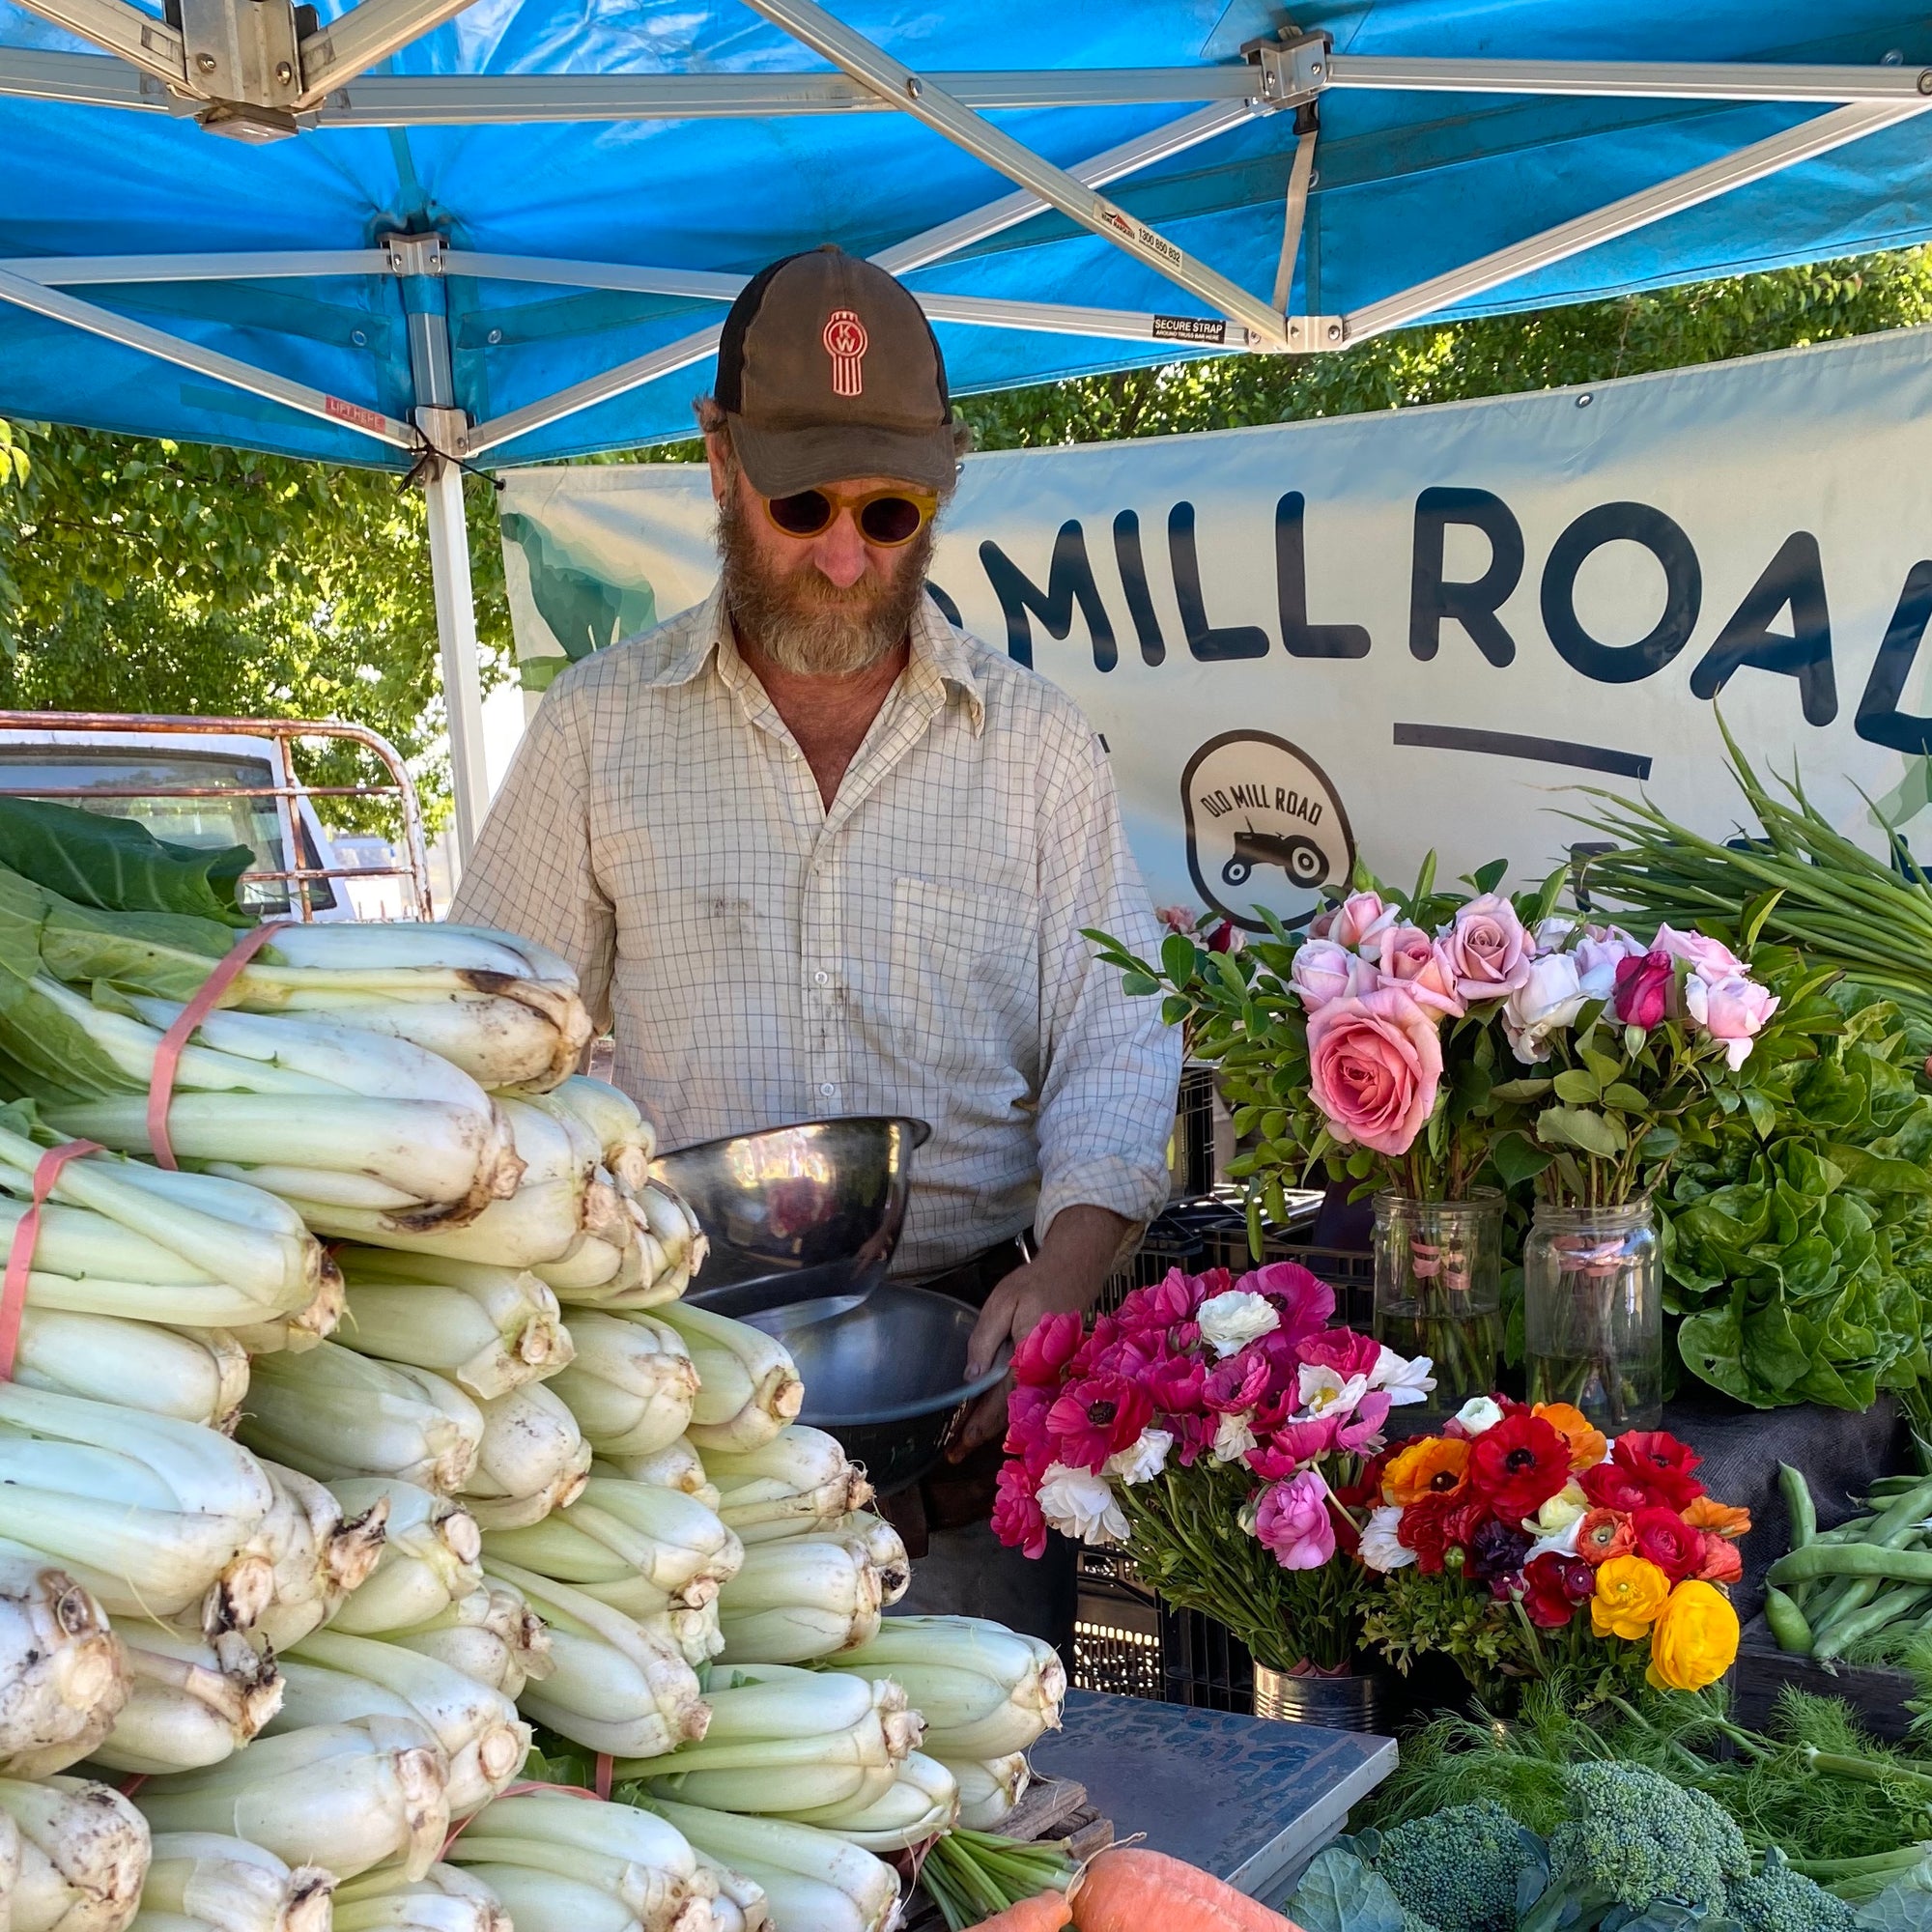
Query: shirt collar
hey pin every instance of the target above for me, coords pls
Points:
(941, 656)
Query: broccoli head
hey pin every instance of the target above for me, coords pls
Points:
(1636, 1838)
(1779, 1899)
(1458, 1868)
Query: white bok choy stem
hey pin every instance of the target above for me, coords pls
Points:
(318, 1554)
(811, 1878)
(346, 1795)
(748, 1386)
(63, 1676)
(524, 1229)
(881, 1545)
(312, 1322)
(984, 1690)
(332, 1412)
(741, 1904)
(921, 1802)
(444, 1900)
(431, 1556)
(151, 1515)
(331, 1679)
(491, 1634)
(533, 1459)
(799, 1481)
(798, 1600)
(194, 1375)
(632, 1385)
(676, 1468)
(490, 1333)
(612, 1686)
(232, 1886)
(626, 1138)
(637, 1548)
(192, 1700)
(989, 1788)
(83, 1854)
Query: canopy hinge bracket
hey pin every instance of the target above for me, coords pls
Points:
(1315, 334)
(243, 59)
(1293, 66)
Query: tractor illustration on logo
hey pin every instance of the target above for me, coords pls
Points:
(1301, 858)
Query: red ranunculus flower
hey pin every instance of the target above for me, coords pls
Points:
(1098, 1418)
(1424, 1528)
(1662, 1464)
(1546, 1601)
(1611, 1486)
(1518, 1465)
(1017, 1520)
(1669, 1542)
(1466, 1519)
(1054, 1342)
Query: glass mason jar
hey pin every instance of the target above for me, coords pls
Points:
(1593, 1313)
(1438, 1293)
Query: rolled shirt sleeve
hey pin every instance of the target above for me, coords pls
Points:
(533, 870)
(1112, 1065)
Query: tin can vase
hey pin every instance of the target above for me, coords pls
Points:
(1593, 1313)
(1340, 1702)
(1438, 1293)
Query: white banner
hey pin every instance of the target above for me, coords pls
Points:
(1382, 634)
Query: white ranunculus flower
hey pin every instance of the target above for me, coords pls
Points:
(1142, 1459)
(1078, 1503)
(1379, 1549)
(1324, 1392)
(1232, 1319)
(1478, 1413)
(1546, 1003)
(1233, 1437)
(1568, 1506)
(1558, 1543)
(1407, 1378)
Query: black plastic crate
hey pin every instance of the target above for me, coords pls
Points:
(1203, 1663)
(1191, 1155)
(1168, 1243)
(1117, 1629)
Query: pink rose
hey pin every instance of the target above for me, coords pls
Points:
(1409, 958)
(1292, 1520)
(1323, 971)
(1710, 958)
(1732, 1009)
(1643, 984)
(1344, 1351)
(1374, 1067)
(1352, 921)
(1487, 949)
(1177, 919)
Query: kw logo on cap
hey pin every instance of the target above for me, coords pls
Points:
(845, 342)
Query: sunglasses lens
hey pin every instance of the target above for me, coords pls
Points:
(804, 515)
(890, 520)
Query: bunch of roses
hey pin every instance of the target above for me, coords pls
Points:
(1376, 991)
(1541, 1507)
(1204, 1369)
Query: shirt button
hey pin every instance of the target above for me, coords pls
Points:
(821, 979)
(828, 1089)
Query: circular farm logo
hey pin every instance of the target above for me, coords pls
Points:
(1265, 828)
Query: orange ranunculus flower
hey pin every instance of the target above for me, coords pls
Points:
(1437, 1466)
(1693, 1639)
(1602, 1534)
(1721, 1519)
(1632, 1592)
(1721, 1561)
(1588, 1446)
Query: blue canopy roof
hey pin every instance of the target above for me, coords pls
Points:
(1409, 183)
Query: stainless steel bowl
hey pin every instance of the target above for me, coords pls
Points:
(887, 1378)
(796, 1213)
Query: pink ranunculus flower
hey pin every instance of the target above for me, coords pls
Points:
(1236, 1384)
(1168, 1302)
(1644, 983)
(1732, 1009)
(1292, 1520)
(1710, 958)
(1323, 971)
(1306, 1301)
(1356, 1432)
(1410, 959)
(1344, 1351)
(1051, 1343)
(1017, 1520)
(1373, 1065)
(1357, 919)
(1290, 1445)
(1548, 1001)
(1487, 949)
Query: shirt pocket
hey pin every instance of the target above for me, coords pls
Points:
(964, 993)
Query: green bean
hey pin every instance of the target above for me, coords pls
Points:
(1787, 1623)
(1884, 1608)
(1798, 1505)
(1863, 1561)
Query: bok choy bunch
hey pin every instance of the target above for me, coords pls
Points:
(195, 1374)
(192, 1701)
(228, 1885)
(82, 1855)
(63, 1674)
(748, 1386)
(676, 1468)
(443, 1899)
(989, 1788)
(807, 1596)
(984, 1690)
(431, 1557)
(533, 1459)
(491, 1634)
(487, 1329)
(797, 1483)
(316, 1553)
(632, 1385)
(921, 1802)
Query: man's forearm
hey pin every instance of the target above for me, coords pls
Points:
(1082, 1245)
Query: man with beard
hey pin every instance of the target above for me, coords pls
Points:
(816, 851)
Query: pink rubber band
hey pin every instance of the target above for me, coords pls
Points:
(167, 1056)
(20, 1252)
(606, 1767)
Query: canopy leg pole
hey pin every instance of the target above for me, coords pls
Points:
(1300, 179)
(456, 634)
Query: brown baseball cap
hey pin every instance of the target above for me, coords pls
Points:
(828, 369)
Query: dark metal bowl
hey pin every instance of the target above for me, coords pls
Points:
(888, 1377)
(799, 1212)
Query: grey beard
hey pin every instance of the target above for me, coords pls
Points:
(807, 625)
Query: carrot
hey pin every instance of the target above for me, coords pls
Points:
(1129, 1889)
(1047, 1912)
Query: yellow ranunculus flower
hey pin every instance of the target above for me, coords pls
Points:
(1632, 1592)
(1694, 1638)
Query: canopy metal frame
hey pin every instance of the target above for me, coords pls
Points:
(267, 70)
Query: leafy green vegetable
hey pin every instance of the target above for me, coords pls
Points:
(1340, 1893)
(117, 865)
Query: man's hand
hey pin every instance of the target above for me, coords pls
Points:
(1066, 1277)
